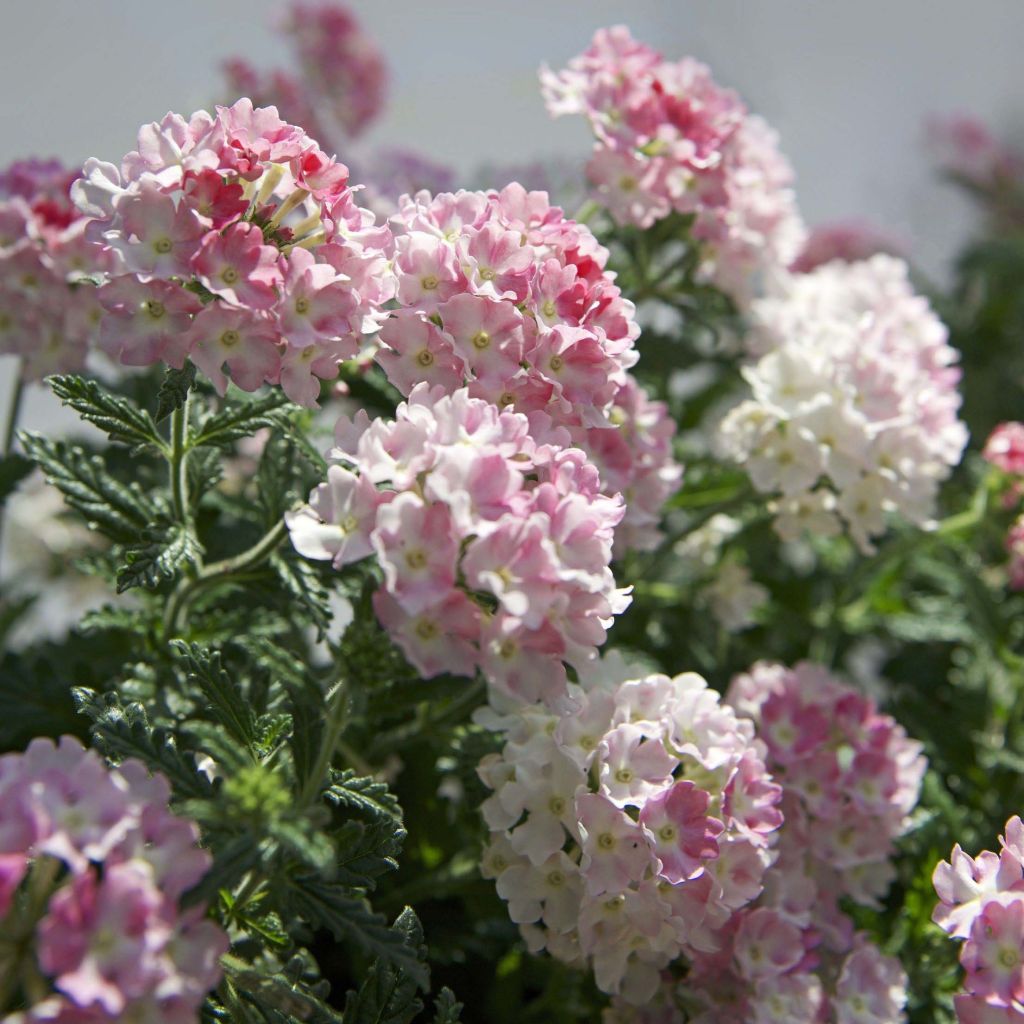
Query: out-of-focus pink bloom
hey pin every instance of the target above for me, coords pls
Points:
(1005, 448)
(110, 939)
(847, 241)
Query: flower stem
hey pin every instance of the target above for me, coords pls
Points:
(14, 409)
(218, 572)
(179, 460)
(337, 704)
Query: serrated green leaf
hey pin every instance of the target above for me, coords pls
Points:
(366, 795)
(242, 418)
(164, 550)
(125, 732)
(365, 852)
(116, 416)
(174, 391)
(388, 995)
(299, 838)
(231, 862)
(226, 699)
(447, 1009)
(300, 581)
(13, 469)
(33, 703)
(120, 511)
(349, 918)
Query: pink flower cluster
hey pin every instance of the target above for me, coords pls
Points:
(92, 865)
(669, 138)
(342, 77)
(628, 827)
(981, 900)
(494, 546)
(967, 149)
(236, 242)
(502, 294)
(850, 777)
(47, 316)
(855, 401)
(849, 241)
(1004, 449)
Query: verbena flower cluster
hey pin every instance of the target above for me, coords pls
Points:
(342, 80)
(669, 138)
(502, 294)
(629, 827)
(854, 407)
(981, 901)
(236, 242)
(47, 316)
(495, 547)
(92, 865)
(850, 777)
(1004, 449)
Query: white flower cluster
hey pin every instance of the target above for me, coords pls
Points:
(627, 829)
(854, 406)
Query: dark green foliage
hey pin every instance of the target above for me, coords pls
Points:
(174, 389)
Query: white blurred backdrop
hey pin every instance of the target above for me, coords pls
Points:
(848, 85)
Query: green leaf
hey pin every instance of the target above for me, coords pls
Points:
(226, 699)
(119, 418)
(164, 550)
(13, 469)
(122, 732)
(120, 511)
(349, 918)
(242, 418)
(388, 995)
(174, 390)
(447, 1009)
(302, 840)
(33, 703)
(365, 852)
(302, 583)
(231, 862)
(366, 795)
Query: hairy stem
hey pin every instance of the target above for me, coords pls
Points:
(218, 572)
(179, 461)
(337, 704)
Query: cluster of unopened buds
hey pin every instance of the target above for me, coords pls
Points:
(981, 901)
(48, 316)
(92, 866)
(342, 78)
(235, 241)
(669, 138)
(495, 547)
(502, 294)
(627, 828)
(855, 401)
(1004, 449)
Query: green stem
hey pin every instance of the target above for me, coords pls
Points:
(179, 460)
(217, 572)
(337, 704)
(14, 409)
(589, 209)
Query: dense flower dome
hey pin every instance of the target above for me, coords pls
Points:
(629, 827)
(92, 866)
(495, 547)
(669, 138)
(235, 242)
(855, 401)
